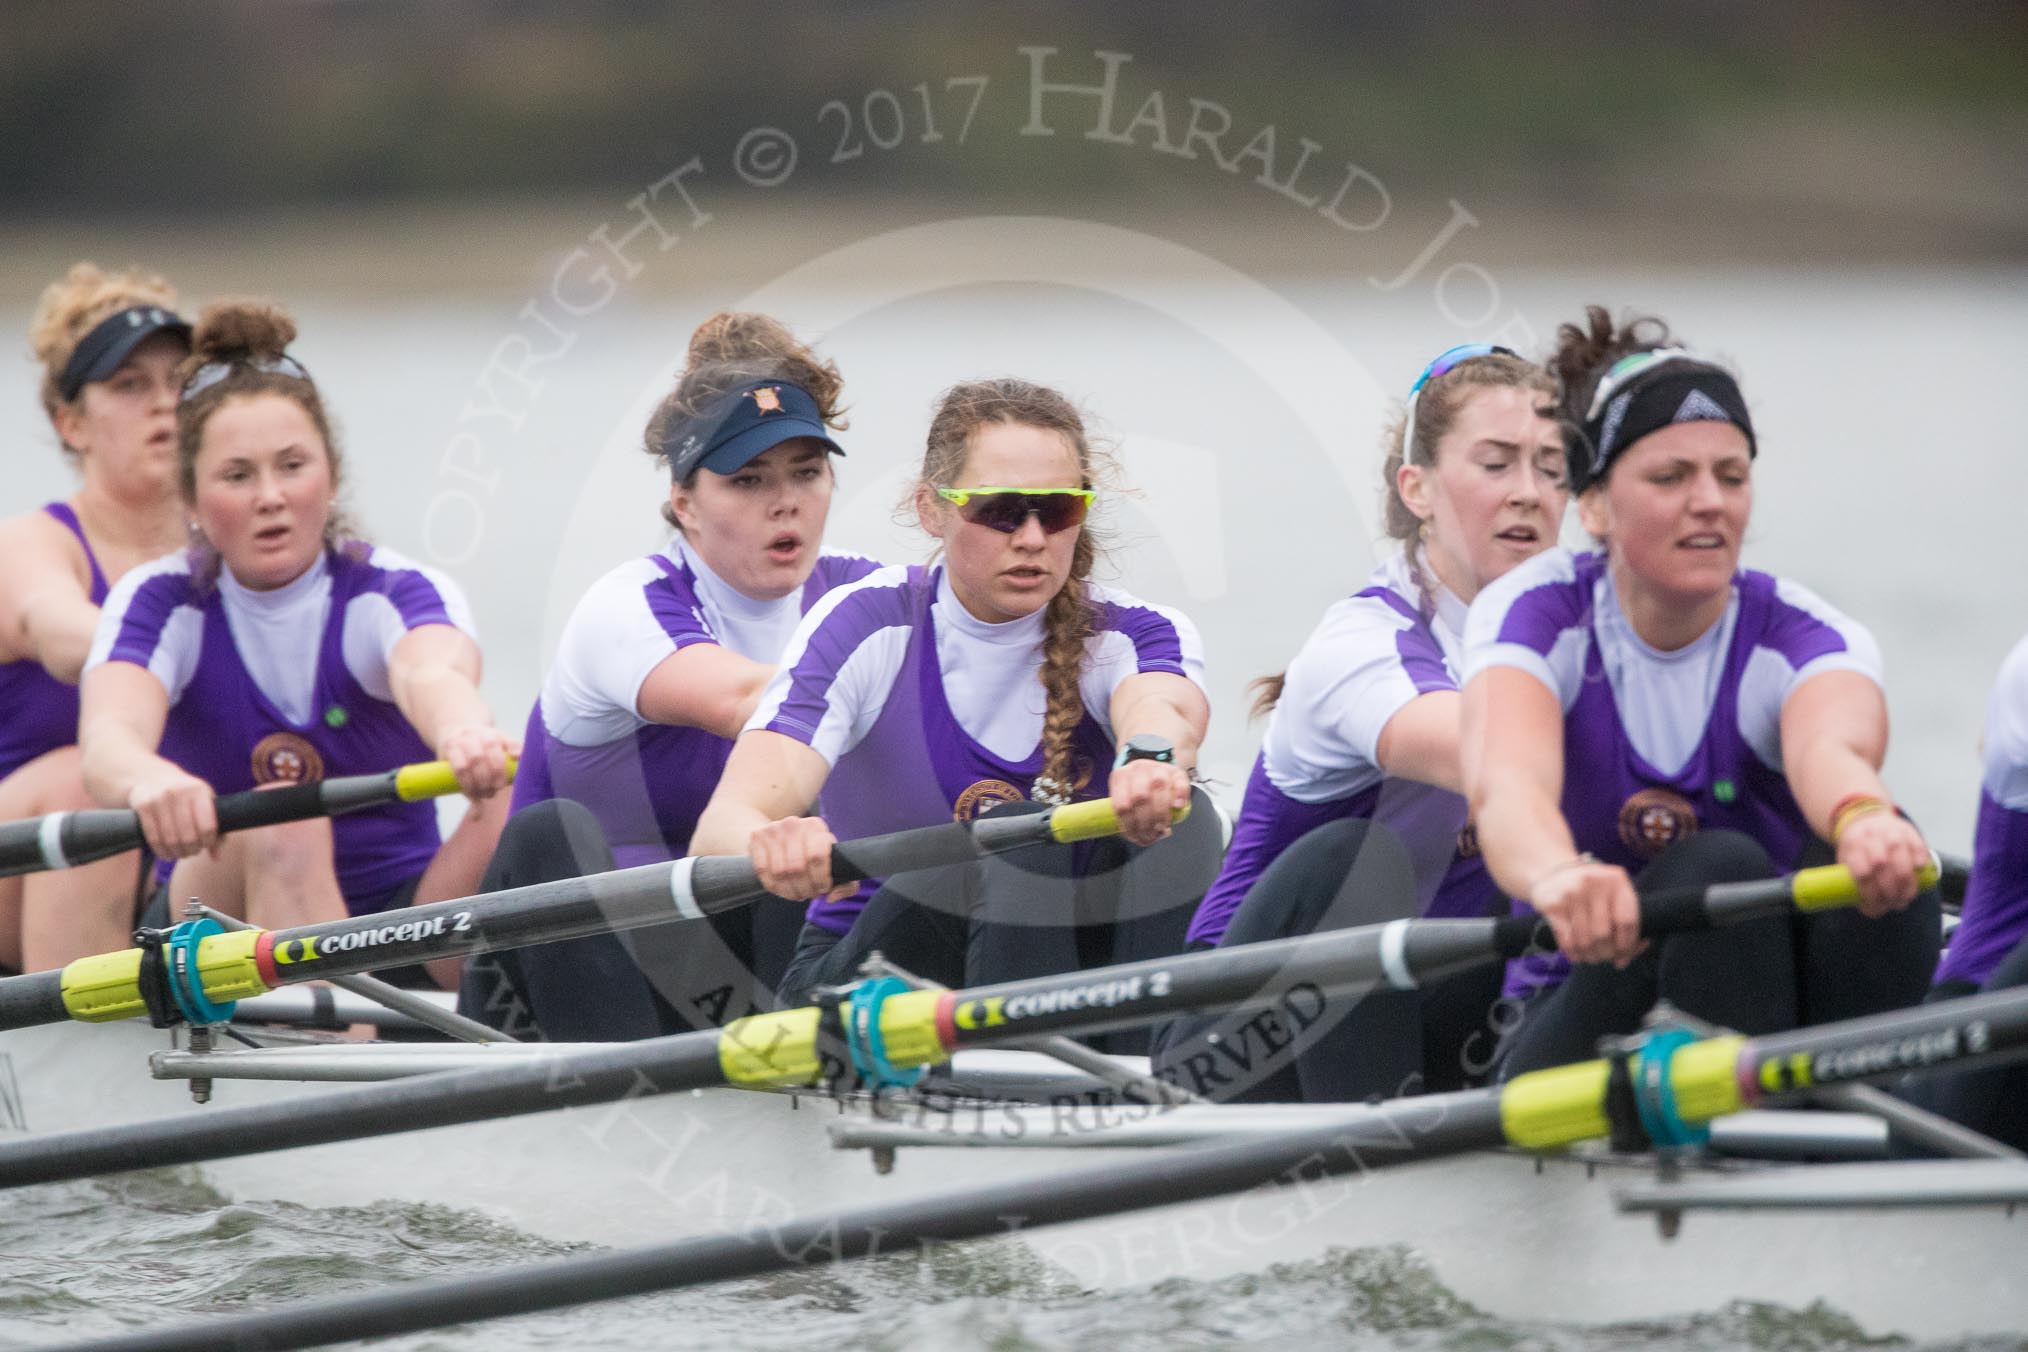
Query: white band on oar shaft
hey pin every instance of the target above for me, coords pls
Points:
(1394, 955)
(679, 888)
(50, 840)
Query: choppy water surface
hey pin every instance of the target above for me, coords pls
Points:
(90, 1260)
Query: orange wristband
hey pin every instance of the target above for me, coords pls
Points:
(1852, 807)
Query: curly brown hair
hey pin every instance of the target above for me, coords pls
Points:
(730, 349)
(69, 309)
(1586, 351)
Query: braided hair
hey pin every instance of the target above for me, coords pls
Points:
(1070, 618)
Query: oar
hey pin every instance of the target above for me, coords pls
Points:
(67, 839)
(915, 1028)
(230, 967)
(1954, 878)
(1540, 1110)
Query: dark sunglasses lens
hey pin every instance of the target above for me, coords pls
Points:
(1059, 511)
(1008, 512)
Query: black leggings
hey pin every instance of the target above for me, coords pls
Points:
(1301, 1047)
(1991, 1101)
(671, 978)
(1030, 912)
(1764, 976)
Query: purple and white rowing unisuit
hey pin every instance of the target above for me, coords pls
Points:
(928, 714)
(1995, 918)
(1658, 744)
(247, 707)
(1374, 652)
(41, 710)
(646, 782)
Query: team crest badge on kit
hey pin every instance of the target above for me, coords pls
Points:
(985, 794)
(285, 758)
(1654, 819)
(1468, 841)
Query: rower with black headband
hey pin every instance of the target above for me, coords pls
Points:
(659, 665)
(1651, 714)
(108, 344)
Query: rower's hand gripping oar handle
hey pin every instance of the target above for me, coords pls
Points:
(68, 839)
(1678, 910)
(721, 882)
(334, 797)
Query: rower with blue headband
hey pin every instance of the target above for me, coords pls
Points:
(1354, 812)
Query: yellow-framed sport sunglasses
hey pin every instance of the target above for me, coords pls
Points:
(1007, 509)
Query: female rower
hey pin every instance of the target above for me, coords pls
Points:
(1653, 707)
(923, 694)
(109, 344)
(1354, 814)
(1989, 947)
(659, 666)
(279, 649)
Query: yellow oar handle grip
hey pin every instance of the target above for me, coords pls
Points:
(432, 779)
(107, 986)
(1829, 886)
(1093, 821)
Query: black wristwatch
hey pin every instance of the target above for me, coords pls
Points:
(1147, 746)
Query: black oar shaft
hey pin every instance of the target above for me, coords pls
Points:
(64, 839)
(31, 1000)
(106, 986)
(624, 1070)
(649, 894)
(1298, 974)
(1974, 1031)
(1967, 1033)
(1388, 1134)
(68, 839)
(1679, 910)
(1302, 972)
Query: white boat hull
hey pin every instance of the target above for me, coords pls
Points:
(1516, 1238)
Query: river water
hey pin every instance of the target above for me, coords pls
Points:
(496, 437)
(98, 1259)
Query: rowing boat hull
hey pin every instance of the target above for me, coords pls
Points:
(1517, 1238)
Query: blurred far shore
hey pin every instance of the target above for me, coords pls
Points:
(364, 147)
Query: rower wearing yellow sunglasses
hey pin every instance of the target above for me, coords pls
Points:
(1000, 677)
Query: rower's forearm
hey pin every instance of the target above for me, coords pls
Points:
(113, 760)
(439, 698)
(726, 828)
(1829, 776)
(1523, 838)
(1160, 718)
